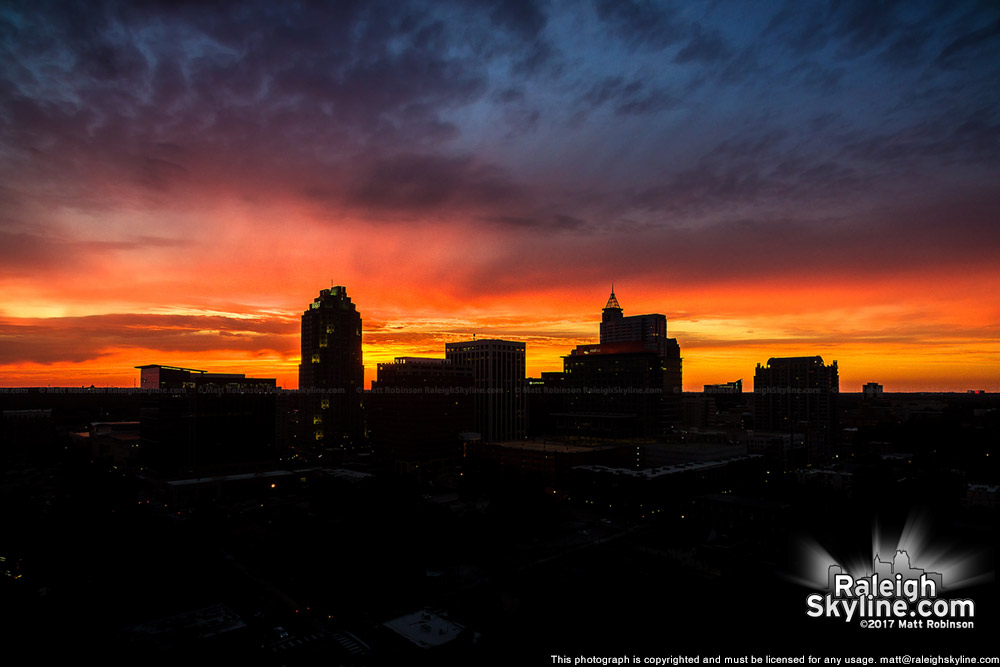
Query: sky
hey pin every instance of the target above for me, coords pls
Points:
(178, 180)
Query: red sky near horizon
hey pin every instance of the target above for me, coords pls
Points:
(179, 184)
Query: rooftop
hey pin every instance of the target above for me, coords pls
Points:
(425, 629)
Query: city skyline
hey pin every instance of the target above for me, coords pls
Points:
(778, 181)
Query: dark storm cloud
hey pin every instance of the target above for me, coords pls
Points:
(261, 97)
(403, 110)
(360, 65)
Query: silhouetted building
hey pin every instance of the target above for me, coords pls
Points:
(155, 376)
(628, 385)
(798, 395)
(546, 394)
(872, 390)
(331, 372)
(726, 396)
(535, 461)
(425, 636)
(727, 389)
(115, 442)
(416, 411)
(499, 382)
(196, 422)
(783, 451)
(650, 330)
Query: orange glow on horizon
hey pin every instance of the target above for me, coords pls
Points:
(238, 310)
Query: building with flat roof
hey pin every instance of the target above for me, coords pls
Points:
(172, 378)
(498, 371)
(798, 395)
(193, 421)
(416, 410)
(872, 390)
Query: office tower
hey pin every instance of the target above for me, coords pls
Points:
(331, 373)
(872, 390)
(498, 375)
(734, 389)
(155, 376)
(726, 396)
(650, 330)
(196, 423)
(798, 395)
(416, 412)
(628, 385)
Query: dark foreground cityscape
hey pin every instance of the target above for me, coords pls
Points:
(458, 512)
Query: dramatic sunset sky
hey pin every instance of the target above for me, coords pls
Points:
(179, 180)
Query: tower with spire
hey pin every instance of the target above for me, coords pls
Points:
(650, 330)
(628, 385)
(612, 309)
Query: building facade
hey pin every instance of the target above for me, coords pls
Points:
(498, 371)
(331, 371)
(417, 410)
(195, 423)
(650, 330)
(628, 385)
(798, 395)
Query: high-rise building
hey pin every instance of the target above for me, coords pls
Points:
(331, 343)
(650, 330)
(628, 385)
(416, 412)
(872, 390)
(156, 376)
(331, 372)
(798, 395)
(196, 423)
(498, 371)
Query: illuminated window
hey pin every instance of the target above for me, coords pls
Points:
(315, 358)
(318, 419)
(329, 328)
(324, 403)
